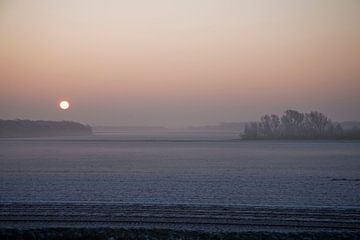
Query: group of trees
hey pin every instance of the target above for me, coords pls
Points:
(28, 128)
(296, 125)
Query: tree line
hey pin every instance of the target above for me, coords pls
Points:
(296, 125)
(29, 128)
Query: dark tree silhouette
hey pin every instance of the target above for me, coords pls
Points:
(28, 128)
(296, 125)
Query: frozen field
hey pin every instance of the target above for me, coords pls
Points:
(171, 172)
(105, 170)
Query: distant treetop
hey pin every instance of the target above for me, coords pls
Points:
(29, 128)
(296, 125)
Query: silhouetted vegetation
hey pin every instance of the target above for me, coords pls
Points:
(296, 125)
(28, 128)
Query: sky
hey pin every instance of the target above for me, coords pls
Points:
(178, 62)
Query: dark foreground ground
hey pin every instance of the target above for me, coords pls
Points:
(161, 234)
(25, 221)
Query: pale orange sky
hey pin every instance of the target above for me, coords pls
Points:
(180, 62)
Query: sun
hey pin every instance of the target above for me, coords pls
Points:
(64, 105)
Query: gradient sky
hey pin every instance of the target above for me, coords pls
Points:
(178, 63)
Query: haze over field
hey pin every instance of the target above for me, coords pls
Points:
(178, 63)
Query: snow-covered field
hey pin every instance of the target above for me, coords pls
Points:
(234, 183)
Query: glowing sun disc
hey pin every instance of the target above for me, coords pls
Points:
(64, 105)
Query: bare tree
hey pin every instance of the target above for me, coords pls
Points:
(292, 122)
(296, 125)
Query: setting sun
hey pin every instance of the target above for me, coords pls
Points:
(64, 105)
